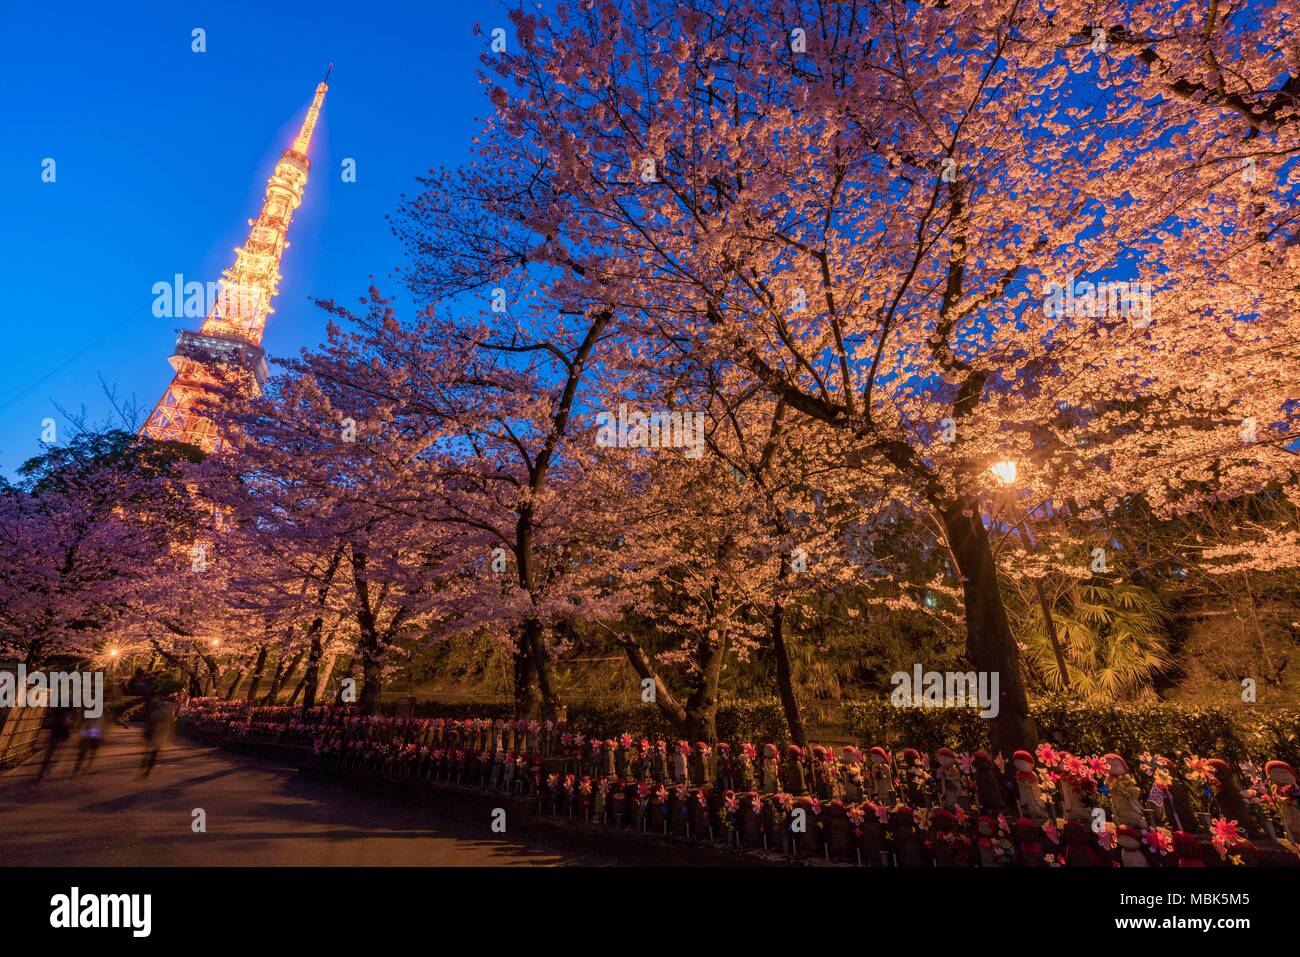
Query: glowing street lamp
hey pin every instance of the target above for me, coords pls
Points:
(1005, 471)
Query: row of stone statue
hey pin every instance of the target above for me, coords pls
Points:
(479, 752)
(874, 836)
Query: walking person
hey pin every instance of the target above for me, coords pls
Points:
(90, 738)
(157, 732)
(60, 731)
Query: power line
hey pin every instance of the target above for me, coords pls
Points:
(67, 362)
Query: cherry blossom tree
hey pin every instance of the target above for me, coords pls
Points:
(876, 247)
(82, 533)
(955, 234)
(485, 409)
(308, 482)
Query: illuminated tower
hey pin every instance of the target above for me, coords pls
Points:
(228, 347)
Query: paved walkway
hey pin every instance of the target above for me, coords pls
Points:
(258, 813)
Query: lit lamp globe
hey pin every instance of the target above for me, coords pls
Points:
(1005, 472)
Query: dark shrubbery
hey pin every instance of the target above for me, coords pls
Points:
(1094, 729)
(1080, 728)
(754, 721)
(1077, 727)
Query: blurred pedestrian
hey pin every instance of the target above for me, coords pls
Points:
(61, 720)
(157, 732)
(90, 738)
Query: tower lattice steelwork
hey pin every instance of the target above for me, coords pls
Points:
(228, 347)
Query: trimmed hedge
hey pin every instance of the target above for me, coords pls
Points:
(750, 721)
(461, 711)
(1093, 729)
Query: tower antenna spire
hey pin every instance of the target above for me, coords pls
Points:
(303, 139)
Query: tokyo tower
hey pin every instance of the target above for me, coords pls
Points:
(228, 346)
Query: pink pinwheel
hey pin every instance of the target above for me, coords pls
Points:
(1224, 834)
(1157, 841)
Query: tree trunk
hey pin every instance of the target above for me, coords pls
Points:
(702, 706)
(184, 663)
(311, 679)
(282, 674)
(1049, 623)
(784, 677)
(552, 704)
(532, 636)
(258, 668)
(370, 644)
(347, 673)
(325, 676)
(196, 684)
(697, 719)
(371, 679)
(990, 646)
(214, 673)
(527, 698)
(230, 695)
(672, 710)
(275, 681)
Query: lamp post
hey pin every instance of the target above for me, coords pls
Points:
(1006, 472)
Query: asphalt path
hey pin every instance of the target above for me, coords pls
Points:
(257, 813)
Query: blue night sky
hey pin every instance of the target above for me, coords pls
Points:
(162, 156)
